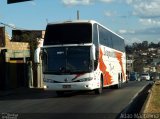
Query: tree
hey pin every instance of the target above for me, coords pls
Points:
(153, 45)
(145, 44)
(129, 49)
(159, 44)
(31, 38)
(138, 65)
(137, 46)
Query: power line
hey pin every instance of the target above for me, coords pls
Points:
(13, 27)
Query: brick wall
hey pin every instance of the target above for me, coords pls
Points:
(15, 45)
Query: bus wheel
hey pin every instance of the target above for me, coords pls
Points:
(119, 85)
(100, 89)
(59, 93)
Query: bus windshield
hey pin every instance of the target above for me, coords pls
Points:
(68, 33)
(66, 60)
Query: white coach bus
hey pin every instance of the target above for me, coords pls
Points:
(82, 55)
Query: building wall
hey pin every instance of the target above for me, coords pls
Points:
(13, 67)
(16, 64)
(15, 45)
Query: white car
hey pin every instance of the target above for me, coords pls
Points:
(145, 76)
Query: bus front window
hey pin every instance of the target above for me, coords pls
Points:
(67, 60)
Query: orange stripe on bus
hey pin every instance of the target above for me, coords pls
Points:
(119, 57)
(106, 76)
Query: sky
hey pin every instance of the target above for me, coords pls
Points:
(135, 20)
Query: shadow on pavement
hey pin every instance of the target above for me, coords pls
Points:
(39, 93)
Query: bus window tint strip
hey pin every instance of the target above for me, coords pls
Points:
(68, 33)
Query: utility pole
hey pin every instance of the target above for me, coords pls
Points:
(77, 14)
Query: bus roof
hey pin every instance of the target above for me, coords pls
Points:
(84, 21)
(73, 21)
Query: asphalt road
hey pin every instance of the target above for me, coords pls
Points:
(46, 104)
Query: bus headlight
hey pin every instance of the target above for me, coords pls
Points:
(45, 87)
(85, 79)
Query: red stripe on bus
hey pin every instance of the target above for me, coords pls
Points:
(77, 75)
(119, 57)
(107, 78)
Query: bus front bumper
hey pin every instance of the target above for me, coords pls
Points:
(71, 86)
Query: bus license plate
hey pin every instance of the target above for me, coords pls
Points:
(66, 86)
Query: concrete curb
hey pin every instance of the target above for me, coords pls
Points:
(147, 102)
(135, 105)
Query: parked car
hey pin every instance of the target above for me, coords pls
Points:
(154, 76)
(145, 76)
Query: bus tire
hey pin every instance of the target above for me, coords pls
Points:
(119, 85)
(100, 89)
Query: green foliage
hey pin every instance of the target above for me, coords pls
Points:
(138, 65)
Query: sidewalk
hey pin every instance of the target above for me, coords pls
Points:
(20, 91)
